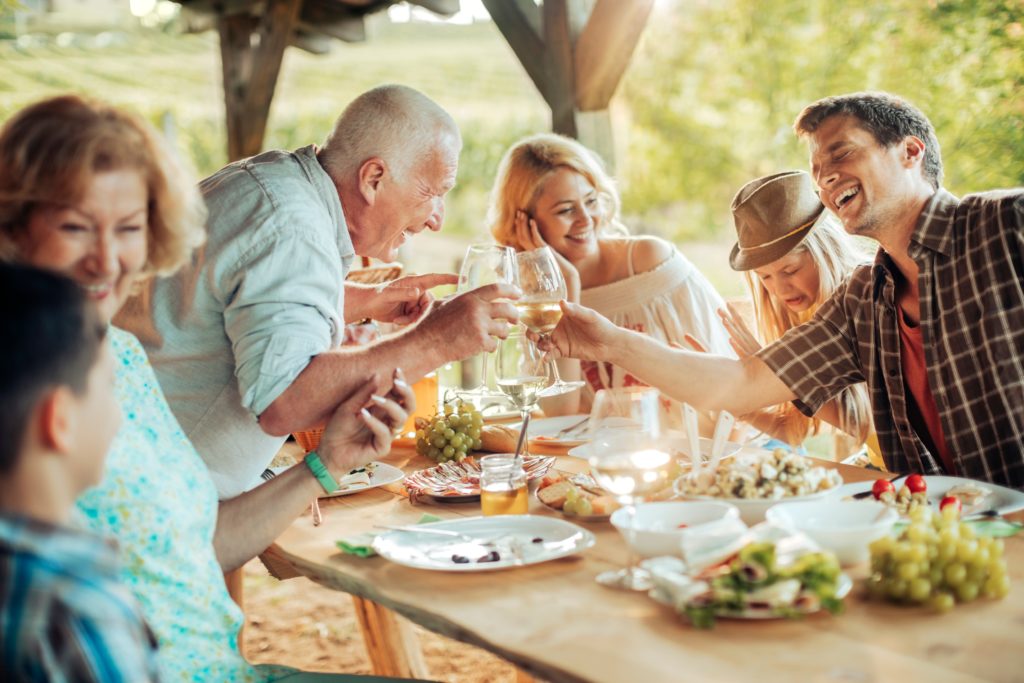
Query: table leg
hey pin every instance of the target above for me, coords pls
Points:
(391, 643)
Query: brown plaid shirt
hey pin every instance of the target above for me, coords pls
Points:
(971, 258)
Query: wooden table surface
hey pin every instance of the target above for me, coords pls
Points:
(555, 622)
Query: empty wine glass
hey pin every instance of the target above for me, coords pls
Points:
(484, 264)
(521, 375)
(627, 459)
(543, 286)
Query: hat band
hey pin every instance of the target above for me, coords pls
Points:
(779, 239)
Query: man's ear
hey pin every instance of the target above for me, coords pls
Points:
(913, 151)
(55, 420)
(371, 175)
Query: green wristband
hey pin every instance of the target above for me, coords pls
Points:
(319, 470)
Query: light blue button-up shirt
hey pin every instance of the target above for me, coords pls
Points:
(232, 330)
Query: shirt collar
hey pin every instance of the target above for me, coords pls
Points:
(934, 228)
(329, 193)
(934, 231)
(78, 551)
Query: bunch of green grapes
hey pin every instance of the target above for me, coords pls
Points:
(451, 433)
(937, 560)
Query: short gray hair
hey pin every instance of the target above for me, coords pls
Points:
(397, 123)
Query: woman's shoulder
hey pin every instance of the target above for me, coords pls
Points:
(647, 253)
(126, 346)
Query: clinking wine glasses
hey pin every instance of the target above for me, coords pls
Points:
(484, 264)
(543, 286)
(627, 459)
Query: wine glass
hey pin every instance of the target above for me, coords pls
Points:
(484, 264)
(543, 286)
(521, 374)
(626, 459)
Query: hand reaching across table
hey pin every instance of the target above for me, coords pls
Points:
(743, 341)
(402, 301)
(467, 323)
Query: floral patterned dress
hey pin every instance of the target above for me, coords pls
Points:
(157, 499)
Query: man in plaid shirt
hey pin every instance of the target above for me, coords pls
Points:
(63, 614)
(935, 325)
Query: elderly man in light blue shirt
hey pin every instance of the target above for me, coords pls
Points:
(246, 340)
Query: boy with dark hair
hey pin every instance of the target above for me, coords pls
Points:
(63, 614)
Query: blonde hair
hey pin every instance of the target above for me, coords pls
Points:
(835, 255)
(50, 150)
(523, 171)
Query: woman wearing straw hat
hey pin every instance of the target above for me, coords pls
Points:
(793, 254)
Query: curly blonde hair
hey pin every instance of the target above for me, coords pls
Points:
(523, 171)
(50, 150)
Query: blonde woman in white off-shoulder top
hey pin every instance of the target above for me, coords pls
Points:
(551, 190)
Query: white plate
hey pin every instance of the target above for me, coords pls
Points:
(843, 587)
(380, 474)
(1000, 498)
(549, 427)
(677, 440)
(512, 536)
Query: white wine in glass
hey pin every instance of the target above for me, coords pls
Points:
(521, 374)
(484, 264)
(543, 286)
(627, 460)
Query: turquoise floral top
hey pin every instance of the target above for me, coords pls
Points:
(158, 501)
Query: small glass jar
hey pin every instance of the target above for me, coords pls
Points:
(503, 485)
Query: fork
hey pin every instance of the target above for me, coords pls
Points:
(315, 509)
(562, 433)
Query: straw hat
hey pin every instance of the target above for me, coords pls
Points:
(772, 215)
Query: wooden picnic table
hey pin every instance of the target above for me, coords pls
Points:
(555, 622)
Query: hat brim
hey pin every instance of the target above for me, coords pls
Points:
(748, 259)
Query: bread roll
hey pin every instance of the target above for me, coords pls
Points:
(498, 439)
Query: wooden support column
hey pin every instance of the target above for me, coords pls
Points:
(575, 52)
(251, 51)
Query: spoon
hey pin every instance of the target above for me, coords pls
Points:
(723, 426)
(692, 436)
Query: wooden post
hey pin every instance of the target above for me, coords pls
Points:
(391, 643)
(575, 52)
(251, 51)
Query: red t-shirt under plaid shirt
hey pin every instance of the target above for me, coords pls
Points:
(970, 253)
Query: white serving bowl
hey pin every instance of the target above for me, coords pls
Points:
(656, 529)
(845, 527)
(753, 510)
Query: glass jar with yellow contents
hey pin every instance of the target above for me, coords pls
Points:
(503, 485)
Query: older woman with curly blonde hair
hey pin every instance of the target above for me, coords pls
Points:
(92, 192)
(551, 190)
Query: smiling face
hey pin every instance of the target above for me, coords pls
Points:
(100, 241)
(868, 186)
(792, 280)
(404, 207)
(568, 213)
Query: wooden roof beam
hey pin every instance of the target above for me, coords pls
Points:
(251, 53)
(604, 48)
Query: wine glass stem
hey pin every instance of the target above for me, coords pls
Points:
(556, 379)
(631, 557)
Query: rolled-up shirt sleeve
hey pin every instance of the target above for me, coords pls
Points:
(818, 359)
(282, 308)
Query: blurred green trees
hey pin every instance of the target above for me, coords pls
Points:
(716, 86)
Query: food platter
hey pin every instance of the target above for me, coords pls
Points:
(477, 544)
(459, 482)
(565, 431)
(999, 499)
(370, 476)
